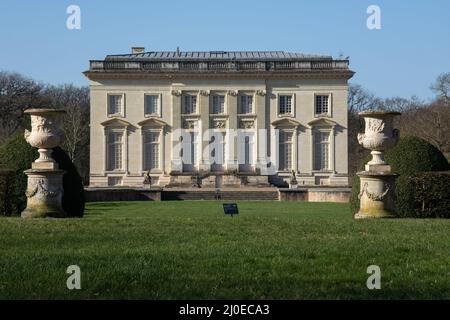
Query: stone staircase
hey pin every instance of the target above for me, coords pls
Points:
(230, 194)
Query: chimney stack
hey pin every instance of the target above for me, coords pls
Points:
(136, 50)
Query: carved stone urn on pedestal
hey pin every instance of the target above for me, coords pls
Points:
(45, 184)
(377, 190)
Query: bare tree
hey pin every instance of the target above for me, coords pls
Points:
(75, 101)
(359, 99)
(431, 121)
(397, 104)
(442, 87)
(432, 124)
(17, 93)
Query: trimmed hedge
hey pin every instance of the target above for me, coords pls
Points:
(6, 179)
(412, 155)
(18, 155)
(432, 194)
(409, 157)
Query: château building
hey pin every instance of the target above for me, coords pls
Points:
(218, 118)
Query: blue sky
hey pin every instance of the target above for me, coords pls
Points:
(403, 58)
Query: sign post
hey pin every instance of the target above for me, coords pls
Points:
(230, 208)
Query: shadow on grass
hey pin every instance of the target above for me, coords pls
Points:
(100, 208)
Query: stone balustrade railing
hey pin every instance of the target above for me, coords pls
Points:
(100, 65)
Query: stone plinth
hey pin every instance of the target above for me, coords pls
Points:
(377, 195)
(44, 194)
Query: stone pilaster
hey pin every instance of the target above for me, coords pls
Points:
(204, 156)
(176, 164)
(232, 107)
(260, 143)
(332, 150)
(295, 150)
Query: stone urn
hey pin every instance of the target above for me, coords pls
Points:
(45, 134)
(377, 187)
(379, 134)
(45, 180)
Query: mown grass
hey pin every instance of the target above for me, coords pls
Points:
(191, 250)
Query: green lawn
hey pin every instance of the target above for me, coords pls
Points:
(191, 250)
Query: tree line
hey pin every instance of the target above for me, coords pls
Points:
(429, 120)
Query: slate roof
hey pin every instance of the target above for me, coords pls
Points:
(218, 55)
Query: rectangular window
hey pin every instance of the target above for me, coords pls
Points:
(189, 104)
(246, 102)
(285, 105)
(218, 104)
(114, 104)
(151, 104)
(115, 147)
(285, 150)
(151, 150)
(321, 150)
(322, 104)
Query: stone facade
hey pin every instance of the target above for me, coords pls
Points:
(282, 111)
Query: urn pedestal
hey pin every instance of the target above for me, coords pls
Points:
(377, 195)
(377, 181)
(45, 180)
(44, 194)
